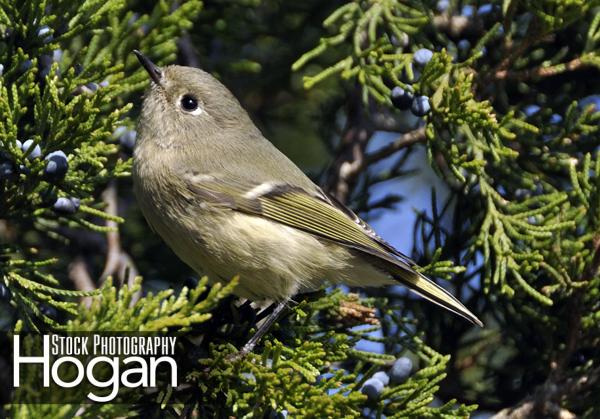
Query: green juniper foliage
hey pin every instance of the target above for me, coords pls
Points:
(500, 94)
(507, 133)
(67, 82)
(119, 311)
(317, 377)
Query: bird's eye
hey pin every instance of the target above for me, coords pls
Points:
(189, 103)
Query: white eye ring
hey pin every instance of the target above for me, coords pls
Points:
(197, 111)
(189, 104)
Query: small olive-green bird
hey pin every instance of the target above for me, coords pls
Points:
(229, 203)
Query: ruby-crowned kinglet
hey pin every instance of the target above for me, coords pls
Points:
(229, 203)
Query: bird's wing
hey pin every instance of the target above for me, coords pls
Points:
(370, 232)
(316, 213)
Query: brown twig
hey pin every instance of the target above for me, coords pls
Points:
(352, 159)
(405, 140)
(354, 313)
(349, 169)
(512, 51)
(541, 72)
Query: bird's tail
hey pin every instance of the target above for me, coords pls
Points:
(429, 290)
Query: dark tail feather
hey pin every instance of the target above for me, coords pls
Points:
(429, 290)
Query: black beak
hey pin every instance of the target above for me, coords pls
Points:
(153, 70)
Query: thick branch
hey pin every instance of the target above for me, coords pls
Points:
(118, 262)
(80, 275)
(113, 240)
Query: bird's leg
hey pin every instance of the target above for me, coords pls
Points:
(262, 329)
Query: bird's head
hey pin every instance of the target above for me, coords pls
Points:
(186, 102)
